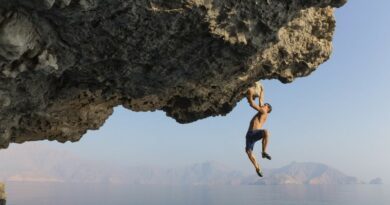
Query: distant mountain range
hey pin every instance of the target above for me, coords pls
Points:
(376, 181)
(307, 173)
(37, 163)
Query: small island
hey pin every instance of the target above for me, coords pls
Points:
(376, 181)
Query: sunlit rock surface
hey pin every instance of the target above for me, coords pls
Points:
(64, 64)
(2, 194)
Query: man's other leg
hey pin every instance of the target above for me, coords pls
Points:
(252, 157)
(265, 141)
(265, 145)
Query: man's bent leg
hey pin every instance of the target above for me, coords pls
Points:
(265, 141)
(265, 145)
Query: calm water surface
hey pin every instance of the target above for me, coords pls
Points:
(76, 194)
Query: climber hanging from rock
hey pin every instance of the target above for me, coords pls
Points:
(255, 131)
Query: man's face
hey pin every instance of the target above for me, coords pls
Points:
(267, 108)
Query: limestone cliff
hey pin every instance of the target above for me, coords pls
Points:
(64, 64)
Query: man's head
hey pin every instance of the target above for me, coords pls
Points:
(269, 107)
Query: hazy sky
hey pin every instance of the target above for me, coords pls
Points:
(339, 115)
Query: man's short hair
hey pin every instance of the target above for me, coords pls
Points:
(269, 107)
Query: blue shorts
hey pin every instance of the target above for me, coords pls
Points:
(252, 136)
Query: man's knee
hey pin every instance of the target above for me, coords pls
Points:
(248, 152)
(266, 133)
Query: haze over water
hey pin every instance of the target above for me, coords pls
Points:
(77, 194)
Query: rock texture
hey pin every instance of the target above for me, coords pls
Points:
(2, 194)
(64, 64)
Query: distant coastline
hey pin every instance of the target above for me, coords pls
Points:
(45, 165)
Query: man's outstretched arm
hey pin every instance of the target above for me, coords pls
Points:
(261, 97)
(252, 103)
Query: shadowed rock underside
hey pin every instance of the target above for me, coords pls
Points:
(64, 64)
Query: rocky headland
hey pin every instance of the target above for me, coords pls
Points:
(306, 173)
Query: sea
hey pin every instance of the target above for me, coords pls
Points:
(108, 194)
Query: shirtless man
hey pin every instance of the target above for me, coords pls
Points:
(255, 133)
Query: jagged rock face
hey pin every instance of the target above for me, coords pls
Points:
(65, 64)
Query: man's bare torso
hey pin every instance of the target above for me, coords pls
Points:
(258, 121)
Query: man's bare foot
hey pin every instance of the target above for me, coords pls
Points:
(266, 155)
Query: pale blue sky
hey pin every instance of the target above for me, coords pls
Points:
(339, 115)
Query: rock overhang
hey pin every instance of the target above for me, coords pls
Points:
(65, 64)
